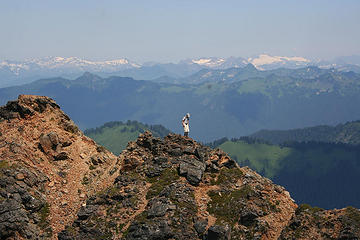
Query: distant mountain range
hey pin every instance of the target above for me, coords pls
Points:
(230, 102)
(20, 72)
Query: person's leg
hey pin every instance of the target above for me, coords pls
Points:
(186, 134)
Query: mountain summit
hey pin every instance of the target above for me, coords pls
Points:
(52, 176)
(47, 168)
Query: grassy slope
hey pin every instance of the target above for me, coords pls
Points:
(271, 159)
(322, 174)
(116, 136)
(115, 139)
(261, 157)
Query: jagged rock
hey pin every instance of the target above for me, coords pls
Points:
(86, 212)
(152, 231)
(192, 169)
(201, 153)
(45, 143)
(25, 106)
(217, 232)
(248, 216)
(157, 209)
(193, 175)
(54, 139)
(14, 147)
(17, 205)
(175, 152)
(316, 223)
(131, 163)
(154, 171)
(200, 226)
(14, 110)
(61, 156)
(49, 143)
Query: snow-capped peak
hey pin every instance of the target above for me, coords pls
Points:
(66, 63)
(209, 62)
(264, 59)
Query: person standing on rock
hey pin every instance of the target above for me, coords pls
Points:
(185, 124)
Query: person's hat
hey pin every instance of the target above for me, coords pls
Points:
(188, 115)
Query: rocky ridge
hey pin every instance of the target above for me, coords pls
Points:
(47, 168)
(178, 189)
(55, 183)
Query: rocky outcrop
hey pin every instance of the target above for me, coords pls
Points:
(316, 223)
(176, 188)
(46, 168)
(23, 207)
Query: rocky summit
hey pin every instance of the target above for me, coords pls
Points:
(55, 183)
(47, 169)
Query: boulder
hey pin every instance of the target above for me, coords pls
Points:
(200, 226)
(157, 209)
(61, 156)
(149, 231)
(49, 142)
(248, 217)
(192, 169)
(86, 212)
(217, 232)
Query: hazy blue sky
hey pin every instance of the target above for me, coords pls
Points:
(170, 30)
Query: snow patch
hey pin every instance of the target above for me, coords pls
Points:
(265, 59)
(209, 62)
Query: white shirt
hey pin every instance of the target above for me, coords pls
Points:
(185, 120)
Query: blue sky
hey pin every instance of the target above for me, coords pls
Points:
(170, 30)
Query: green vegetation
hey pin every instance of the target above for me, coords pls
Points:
(4, 164)
(44, 213)
(228, 176)
(85, 180)
(263, 158)
(307, 208)
(226, 206)
(116, 135)
(269, 160)
(103, 228)
(253, 85)
(353, 214)
(167, 177)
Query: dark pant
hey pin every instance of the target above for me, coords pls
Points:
(186, 134)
